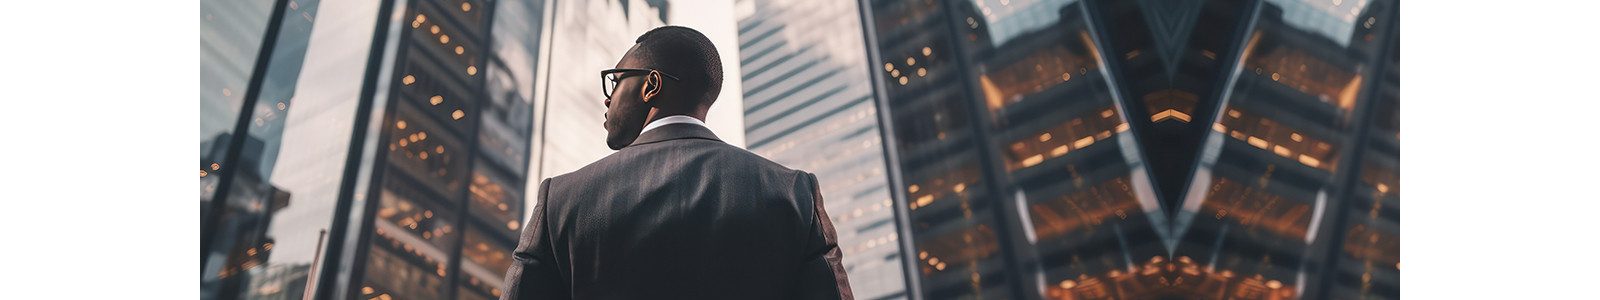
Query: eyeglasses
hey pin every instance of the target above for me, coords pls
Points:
(609, 79)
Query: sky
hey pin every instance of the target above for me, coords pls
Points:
(715, 19)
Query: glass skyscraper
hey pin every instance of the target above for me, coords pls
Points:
(808, 105)
(371, 150)
(1092, 149)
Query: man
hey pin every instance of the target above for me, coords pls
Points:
(675, 213)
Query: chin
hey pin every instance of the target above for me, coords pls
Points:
(617, 142)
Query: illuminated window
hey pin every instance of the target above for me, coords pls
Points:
(1038, 71)
(1083, 209)
(1307, 74)
(1255, 208)
(1170, 104)
(1058, 140)
(1278, 139)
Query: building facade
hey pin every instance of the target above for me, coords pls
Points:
(1141, 149)
(1016, 166)
(379, 150)
(808, 105)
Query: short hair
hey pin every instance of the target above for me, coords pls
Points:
(686, 54)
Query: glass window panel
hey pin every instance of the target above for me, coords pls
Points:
(270, 230)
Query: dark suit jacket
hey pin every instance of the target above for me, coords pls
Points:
(679, 215)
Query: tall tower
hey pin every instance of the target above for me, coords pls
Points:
(1142, 149)
(808, 105)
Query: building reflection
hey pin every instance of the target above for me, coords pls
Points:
(1142, 150)
(1017, 167)
(451, 200)
(425, 203)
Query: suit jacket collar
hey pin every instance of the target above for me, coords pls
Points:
(673, 132)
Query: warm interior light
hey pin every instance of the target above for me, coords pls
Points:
(1313, 162)
(1083, 142)
(1157, 117)
(436, 99)
(1258, 142)
(457, 114)
(408, 80)
(1033, 160)
(927, 51)
(1180, 116)
(1059, 150)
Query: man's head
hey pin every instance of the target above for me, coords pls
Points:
(686, 81)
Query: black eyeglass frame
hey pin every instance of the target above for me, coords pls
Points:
(609, 83)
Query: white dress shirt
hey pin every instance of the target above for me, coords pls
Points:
(674, 119)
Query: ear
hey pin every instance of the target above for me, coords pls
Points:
(651, 86)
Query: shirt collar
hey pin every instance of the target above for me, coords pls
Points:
(674, 119)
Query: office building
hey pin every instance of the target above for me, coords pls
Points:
(1142, 149)
(808, 105)
(381, 149)
(1016, 167)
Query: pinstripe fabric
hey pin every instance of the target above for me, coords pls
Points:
(679, 215)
